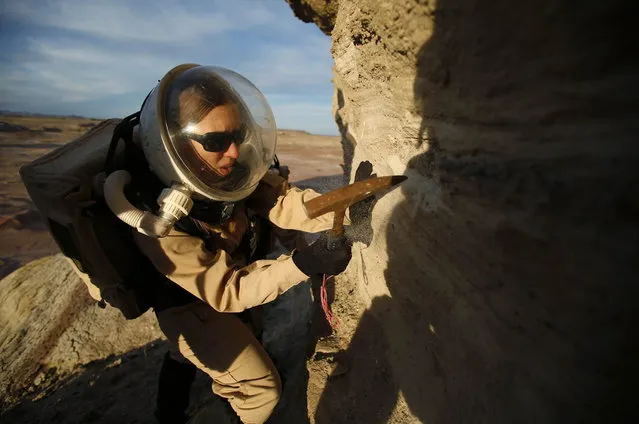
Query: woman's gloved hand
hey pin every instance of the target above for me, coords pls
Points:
(318, 259)
(360, 213)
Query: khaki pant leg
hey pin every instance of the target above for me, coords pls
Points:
(224, 348)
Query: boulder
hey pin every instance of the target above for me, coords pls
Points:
(48, 321)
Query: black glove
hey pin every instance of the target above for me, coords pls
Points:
(318, 259)
(360, 212)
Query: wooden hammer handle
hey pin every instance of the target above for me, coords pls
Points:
(336, 234)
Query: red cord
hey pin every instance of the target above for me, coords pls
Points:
(332, 319)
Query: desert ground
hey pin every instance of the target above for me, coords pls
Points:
(63, 359)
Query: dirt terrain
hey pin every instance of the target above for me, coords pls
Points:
(23, 139)
(66, 360)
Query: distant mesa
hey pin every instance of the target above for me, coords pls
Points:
(44, 115)
(291, 132)
(11, 128)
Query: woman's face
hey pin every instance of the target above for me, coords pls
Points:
(223, 118)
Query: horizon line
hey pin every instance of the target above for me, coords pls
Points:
(53, 115)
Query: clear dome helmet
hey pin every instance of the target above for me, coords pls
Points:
(210, 130)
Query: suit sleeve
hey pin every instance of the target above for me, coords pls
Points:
(215, 277)
(283, 205)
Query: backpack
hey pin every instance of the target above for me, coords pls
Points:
(65, 186)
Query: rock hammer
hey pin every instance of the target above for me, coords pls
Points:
(340, 199)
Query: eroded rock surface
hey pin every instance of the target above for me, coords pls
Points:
(503, 274)
(50, 325)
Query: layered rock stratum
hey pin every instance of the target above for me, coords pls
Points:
(504, 272)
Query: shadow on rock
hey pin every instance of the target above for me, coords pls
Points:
(368, 392)
(117, 389)
(7, 266)
(286, 338)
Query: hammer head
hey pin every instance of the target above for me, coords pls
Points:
(340, 199)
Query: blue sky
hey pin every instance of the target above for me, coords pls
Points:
(100, 58)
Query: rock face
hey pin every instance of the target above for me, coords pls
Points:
(320, 12)
(26, 341)
(49, 322)
(504, 271)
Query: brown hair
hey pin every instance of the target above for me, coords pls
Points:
(196, 101)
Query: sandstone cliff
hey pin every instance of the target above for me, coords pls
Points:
(502, 278)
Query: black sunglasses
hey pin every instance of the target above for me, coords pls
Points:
(217, 141)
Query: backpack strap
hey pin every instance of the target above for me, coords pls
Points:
(122, 131)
